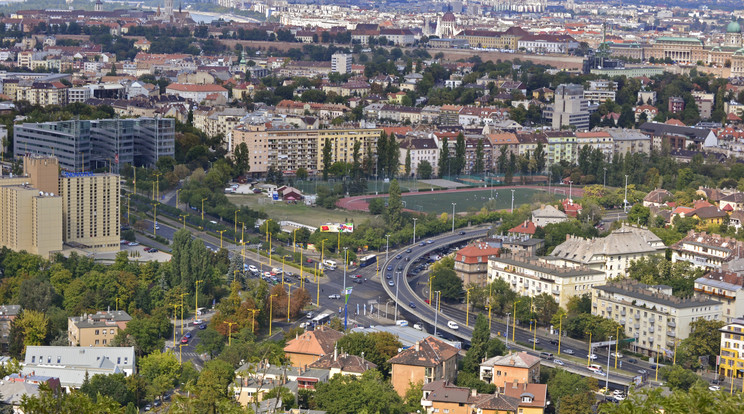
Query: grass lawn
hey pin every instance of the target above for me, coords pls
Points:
(311, 216)
(468, 201)
(373, 185)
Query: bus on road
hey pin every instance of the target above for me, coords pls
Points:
(321, 319)
(368, 260)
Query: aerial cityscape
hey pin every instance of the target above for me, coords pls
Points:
(355, 206)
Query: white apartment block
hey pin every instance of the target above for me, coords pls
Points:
(532, 276)
(706, 251)
(650, 314)
(725, 287)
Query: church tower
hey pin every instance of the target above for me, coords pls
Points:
(168, 10)
(733, 34)
(99, 6)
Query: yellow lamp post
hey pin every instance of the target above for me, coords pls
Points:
(294, 240)
(157, 188)
(317, 285)
(177, 191)
(560, 332)
(617, 342)
(467, 307)
(220, 232)
(202, 209)
(271, 312)
(657, 366)
(196, 298)
(269, 249)
(235, 222)
(182, 295)
(514, 324)
(289, 298)
(229, 332)
(253, 319)
(183, 219)
(129, 198)
(322, 250)
(267, 229)
(589, 354)
(534, 334)
(155, 219)
(431, 277)
(175, 315)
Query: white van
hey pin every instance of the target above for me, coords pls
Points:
(453, 325)
(329, 264)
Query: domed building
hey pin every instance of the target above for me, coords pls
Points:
(447, 26)
(733, 34)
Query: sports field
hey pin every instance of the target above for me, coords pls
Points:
(470, 200)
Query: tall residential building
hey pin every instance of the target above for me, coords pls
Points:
(732, 349)
(97, 329)
(90, 214)
(725, 287)
(570, 108)
(30, 219)
(341, 63)
(85, 145)
(288, 149)
(650, 314)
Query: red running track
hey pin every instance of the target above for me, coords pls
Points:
(359, 203)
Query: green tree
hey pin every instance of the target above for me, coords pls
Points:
(301, 173)
(366, 394)
(53, 401)
(703, 341)
(478, 167)
(539, 156)
(161, 371)
(678, 377)
(210, 342)
(377, 347)
(639, 215)
(356, 166)
(242, 158)
(459, 163)
(113, 386)
(444, 161)
(481, 346)
(394, 211)
(33, 327)
(446, 280)
(412, 399)
(698, 399)
(566, 385)
(545, 307)
(424, 170)
(327, 158)
(408, 163)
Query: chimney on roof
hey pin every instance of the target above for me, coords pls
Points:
(474, 392)
(417, 347)
(335, 353)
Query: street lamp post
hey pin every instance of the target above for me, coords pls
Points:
(229, 331)
(196, 298)
(431, 277)
(453, 217)
(202, 209)
(589, 355)
(607, 376)
(155, 219)
(604, 181)
(183, 220)
(346, 299)
(289, 298)
(467, 307)
(271, 312)
(220, 232)
(235, 223)
(508, 314)
(625, 200)
(514, 325)
(436, 314)
(617, 341)
(253, 319)
(534, 337)
(387, 247)
(512, 202)
(397, 283)
(414, 229)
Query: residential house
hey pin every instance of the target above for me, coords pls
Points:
(14, 387)
(651, 314)
(732, 349)
(725, 287)
(572, 209)
(8, 313)
(596, 140)
(533, 398)
(679, 137)
(195, 93)
(732, 202)
(444, 397)
(422, 148)
(471, 263)
(649, 110)
(532, 276)
(709, 215)
(706, 251)
(426, 361)
(629, 140)
(561, 147)
(612, 254)
(519, 367)
(97, 329)
(548, 214)
(527, 228)
(311, 346)
(253, 381)
(657, 198)
(343, 364)
(72, 365)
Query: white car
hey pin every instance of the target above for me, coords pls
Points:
(418, 326)
(453, 325)
(558, 362)
(714, 388)
(198, 321)
(568, 351)
(133, 244)
(592, 357)
(252, 269)
(334, 296)
(617, 355)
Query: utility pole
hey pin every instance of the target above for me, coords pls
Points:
(453, 217)
(625, 200)
(512, 204)
(414, 229)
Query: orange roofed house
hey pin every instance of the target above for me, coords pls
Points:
(311, 346)
(427, 361)
(471, 263)
(520, 367)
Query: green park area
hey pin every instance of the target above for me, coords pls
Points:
(308, 215)
(472, 201)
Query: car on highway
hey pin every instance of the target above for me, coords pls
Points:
(411, 304)
(203, 326)
(184, 340)
(558, 362)
(133, 244)
(642, 371)
(462, 232)
(632, 360)
(418, 326)
(198, 322)
(359, 281)
(334, 296)
(310, 315)
(390, 267)
(391, 283)
(422, 244)
(535, 340)
(408, 250)
(308, 260)
(388, 276)
(617, 355)
(453, 325)
(356, 276)
(429, 241)
(252, 269)
(400, 267)
(398, 256)
(714, 388)
(187, 335)
(568, 351)
(592, 357)
(553, 342)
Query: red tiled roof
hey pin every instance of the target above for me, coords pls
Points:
(527, 227)
(470, 254)
(195, 88)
